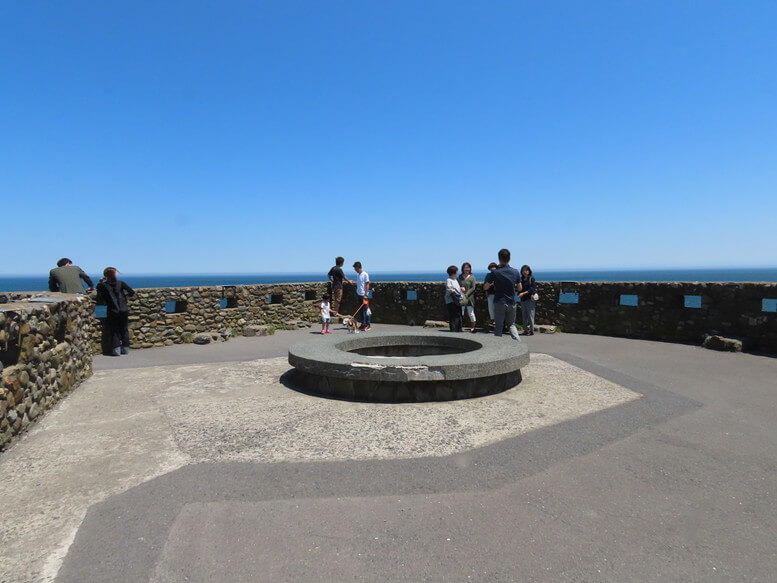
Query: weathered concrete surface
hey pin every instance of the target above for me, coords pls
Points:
(127, 426)
(676, 485)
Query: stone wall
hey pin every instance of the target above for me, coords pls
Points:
(227, 309)
(45, 353)
(729, 309)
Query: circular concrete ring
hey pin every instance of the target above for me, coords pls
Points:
(449, 366)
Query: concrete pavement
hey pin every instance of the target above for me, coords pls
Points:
(614, 460)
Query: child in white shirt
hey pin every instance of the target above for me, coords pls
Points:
(325, 315)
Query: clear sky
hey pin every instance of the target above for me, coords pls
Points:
(248, 136)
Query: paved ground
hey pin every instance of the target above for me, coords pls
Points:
(614, 460)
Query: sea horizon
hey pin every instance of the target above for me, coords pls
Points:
(11, 283)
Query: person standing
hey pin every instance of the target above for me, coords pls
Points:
(528, 305)
(113, 294)
(336, 277)
(506, 280)
(66, 278)
(362, 293)
(467, 282)
(325, 315)
(488, 285)
(453, 293)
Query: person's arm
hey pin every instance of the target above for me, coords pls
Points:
(100, 300)
(472, 288)
(367, 286)
(128, 289)
(53, 284)
(86, 278)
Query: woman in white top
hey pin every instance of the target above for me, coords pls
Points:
(453, 293)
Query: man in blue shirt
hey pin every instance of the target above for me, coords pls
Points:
(505, 280)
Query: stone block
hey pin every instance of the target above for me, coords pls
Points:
(207, 337)
(256, 330)
(715, 342)
(202, 338)
(545, 329)
(435, 324)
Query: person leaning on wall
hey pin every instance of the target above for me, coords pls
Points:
(113, 293)
(66, 278)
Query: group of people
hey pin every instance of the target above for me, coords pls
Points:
(111, 293)
(502, 284)
(336, 278)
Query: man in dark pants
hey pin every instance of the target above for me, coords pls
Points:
(113, 293)
(362, 293)
(66, 278)
(336, 277)
(505, 280)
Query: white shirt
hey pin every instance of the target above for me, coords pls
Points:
(325, 309)
(362, 279)
(452, 288)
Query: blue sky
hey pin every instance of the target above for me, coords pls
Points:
(179, 137)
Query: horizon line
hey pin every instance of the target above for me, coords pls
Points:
(287, 273)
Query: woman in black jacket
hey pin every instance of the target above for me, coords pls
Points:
(527, 294)
(113, 294)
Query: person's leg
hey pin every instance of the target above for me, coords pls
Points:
(510, 321)
(113, 326)
(472, 318)
(499, 319)
(532, 312)
(124, 329)
(364, 317)
(525, 316)
(491, 307)
(453, 311)
(458, 320)
(337, 297)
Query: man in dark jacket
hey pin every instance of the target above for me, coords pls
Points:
(66, 278)
(505, 280)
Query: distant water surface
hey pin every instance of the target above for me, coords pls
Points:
(768, 274)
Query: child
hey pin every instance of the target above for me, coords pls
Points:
(325, 315)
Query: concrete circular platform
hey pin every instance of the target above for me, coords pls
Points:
(412, 366)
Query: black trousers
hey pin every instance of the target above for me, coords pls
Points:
(118, 328)
(454, 316)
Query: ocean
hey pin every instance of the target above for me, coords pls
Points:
(767, 274)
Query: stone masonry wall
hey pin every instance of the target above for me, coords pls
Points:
(199, 309)
(729, 309)
(45, 353)
(46, 339)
